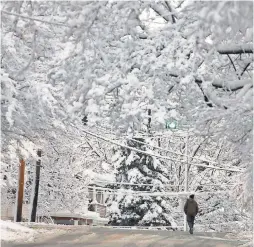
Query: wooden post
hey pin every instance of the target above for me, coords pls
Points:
(36, 187)
(18, 216)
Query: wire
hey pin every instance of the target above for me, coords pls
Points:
(166, 150)
(156, 155)
(170, 194)
(108, 182)
(157, 193)
(165, 185)
(162, 149)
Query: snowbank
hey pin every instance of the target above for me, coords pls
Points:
(13, 231)
(18, 232)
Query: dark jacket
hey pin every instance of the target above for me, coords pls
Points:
(191, 207)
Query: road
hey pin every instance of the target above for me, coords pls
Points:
(108, 237)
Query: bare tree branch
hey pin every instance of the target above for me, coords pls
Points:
(33, 19)
(180, 4)
(159, 9)
(247, 65)
(170, 9)
(206, 99)
(233, 66)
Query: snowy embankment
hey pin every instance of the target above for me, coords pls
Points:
(15, 232)
(19, 232)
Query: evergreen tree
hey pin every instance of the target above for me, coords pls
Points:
(131, 207)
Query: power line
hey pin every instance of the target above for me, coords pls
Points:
(165, 185)
(122, 183)
(170, 151)
(165, 150)
(157, 193)
(158, 156)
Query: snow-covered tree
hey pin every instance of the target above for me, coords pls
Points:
(64, 60)
(144, 174)
(34, 113)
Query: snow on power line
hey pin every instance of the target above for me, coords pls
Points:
(173, 152)
(158, 156)
(157, 193)
(166, 185)
(122, 183)
(162, 149)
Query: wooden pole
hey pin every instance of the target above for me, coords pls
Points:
(20, 190)
(36, 187)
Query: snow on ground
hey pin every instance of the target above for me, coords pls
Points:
(242, 235)
(14, 232)
(19, 232)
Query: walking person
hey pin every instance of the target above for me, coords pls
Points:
(191, 210)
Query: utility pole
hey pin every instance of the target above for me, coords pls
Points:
(36, 187)
(20, 192)
(186, 175)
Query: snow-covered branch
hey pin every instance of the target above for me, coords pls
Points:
(235, 49)
(31, 60)
(33, 19)
(164, 11)
(232, 85)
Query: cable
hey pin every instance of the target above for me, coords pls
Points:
(171, 194)
(165, 185)
(156, 155)
(166, 150)
(108, 182)
(162, 149)
(148, 193)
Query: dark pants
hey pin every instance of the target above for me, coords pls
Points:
(190, 220)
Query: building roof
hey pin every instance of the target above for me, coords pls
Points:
(100, 179)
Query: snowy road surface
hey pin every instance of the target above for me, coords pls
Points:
(107, 237)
